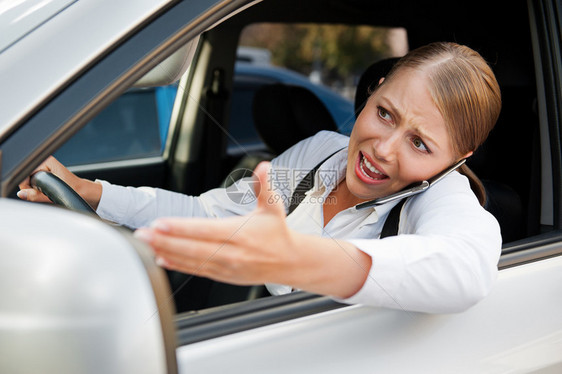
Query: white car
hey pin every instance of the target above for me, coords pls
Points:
(79, 295)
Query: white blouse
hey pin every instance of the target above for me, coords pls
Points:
(444, 258)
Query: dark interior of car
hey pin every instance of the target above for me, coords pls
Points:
(508, 163)
(512, 148)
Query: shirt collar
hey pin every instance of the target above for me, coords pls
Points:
(332, 172)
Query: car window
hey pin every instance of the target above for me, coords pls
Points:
(315, 64)
(241, 124)
(136, 125)
(133, 126)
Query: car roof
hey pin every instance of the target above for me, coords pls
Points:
(60, 50)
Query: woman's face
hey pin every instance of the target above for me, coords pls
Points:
(398, 139)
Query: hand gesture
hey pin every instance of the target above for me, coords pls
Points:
(257, 248)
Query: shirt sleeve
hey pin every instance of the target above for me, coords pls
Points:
(139, 206)
(444, 259)
(136, 207)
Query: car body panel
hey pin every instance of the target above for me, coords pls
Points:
(65, 310)
(55, 64)
(18, 18)
(71, 108)
(517, 328)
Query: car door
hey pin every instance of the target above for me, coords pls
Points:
(517, 328)
(91, 89)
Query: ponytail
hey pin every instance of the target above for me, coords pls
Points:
(475, 184)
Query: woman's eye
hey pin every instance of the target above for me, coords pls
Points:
(384, 114)
(419, 144)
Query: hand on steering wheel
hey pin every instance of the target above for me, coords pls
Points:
(59, 192)
(51, 181)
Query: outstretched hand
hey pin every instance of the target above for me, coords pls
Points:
(243, 250)
(258, 248)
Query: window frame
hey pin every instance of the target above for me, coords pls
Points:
(92, 89)
(209, 324)
(546, 18)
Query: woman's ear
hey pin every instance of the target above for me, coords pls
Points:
(381, 80)
(467, 155)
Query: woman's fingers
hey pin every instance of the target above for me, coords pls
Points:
(51, 164)
(89, 190)
(179, 246)
(213, 259)
(216, 230)
(30, 194)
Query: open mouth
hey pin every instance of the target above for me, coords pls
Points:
(367, 172)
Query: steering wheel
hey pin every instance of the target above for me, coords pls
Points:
(59, 192)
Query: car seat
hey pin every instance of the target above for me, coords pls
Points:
(286, 114)
(501, 200)
(370, 79)
(283, 115)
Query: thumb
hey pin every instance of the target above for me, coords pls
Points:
(267, 199)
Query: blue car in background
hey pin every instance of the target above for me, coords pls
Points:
(142, 115)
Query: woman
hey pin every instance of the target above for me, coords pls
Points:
(434, 108)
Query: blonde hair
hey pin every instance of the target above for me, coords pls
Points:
(464, 90)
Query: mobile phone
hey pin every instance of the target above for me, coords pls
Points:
(412, 189)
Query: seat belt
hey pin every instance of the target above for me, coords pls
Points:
(391, 224)
(390, 227)
(305, 185)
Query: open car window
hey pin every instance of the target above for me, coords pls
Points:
(215, 130)
(133, 126)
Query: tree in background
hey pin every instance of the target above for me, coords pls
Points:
(334, 53)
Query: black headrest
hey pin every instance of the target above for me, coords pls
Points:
(370, 79)
(286, 114)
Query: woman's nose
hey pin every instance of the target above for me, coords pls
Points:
(386, 146)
